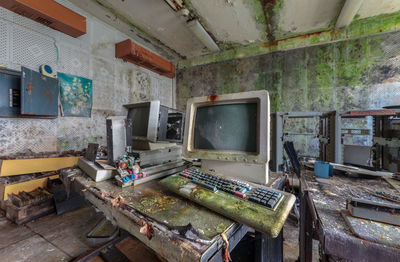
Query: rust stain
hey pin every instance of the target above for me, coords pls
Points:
(47, 93)
(272, 42)
(30, 88)
(212, 98)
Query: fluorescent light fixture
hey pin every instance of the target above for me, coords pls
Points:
(202, 35)
(349, 10)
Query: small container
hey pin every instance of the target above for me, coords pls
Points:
(323, 169)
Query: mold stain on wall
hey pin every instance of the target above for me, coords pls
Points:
(343, 75)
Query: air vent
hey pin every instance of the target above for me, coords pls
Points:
(43, 21)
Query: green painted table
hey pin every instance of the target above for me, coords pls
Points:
(169, 215)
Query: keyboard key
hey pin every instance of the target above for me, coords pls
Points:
(240, 194)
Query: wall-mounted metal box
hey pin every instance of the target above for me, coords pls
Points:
(39, 94)
(28, 94)
(10, 90)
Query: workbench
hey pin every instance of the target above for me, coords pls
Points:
(181, 229)
(322, 205)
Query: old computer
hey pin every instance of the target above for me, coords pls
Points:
(230, 135)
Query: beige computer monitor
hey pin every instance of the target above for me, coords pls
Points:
(230, 134)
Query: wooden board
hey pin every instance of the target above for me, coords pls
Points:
(25, 186)
(14, 167)
(21, 215)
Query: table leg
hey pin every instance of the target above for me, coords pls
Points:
(269, 249)
(306, 228)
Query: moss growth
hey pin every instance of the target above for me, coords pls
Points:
(245, 212)
(361, 27)
(258, 10)
(227, 80)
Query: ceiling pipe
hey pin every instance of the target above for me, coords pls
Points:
(349, 10)
(195, 26)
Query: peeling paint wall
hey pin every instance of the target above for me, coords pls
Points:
(92, 56)
(354, 74)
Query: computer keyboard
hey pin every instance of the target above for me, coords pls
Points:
(259, 207)
(261, 195)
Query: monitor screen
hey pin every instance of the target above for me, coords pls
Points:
(140, 120)
(231, 127)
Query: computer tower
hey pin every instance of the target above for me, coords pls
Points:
(119, 136)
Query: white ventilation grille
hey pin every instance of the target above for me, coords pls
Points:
(3, 42)
(25, 135)
(32, 49)
(32, 25)
(74, 61)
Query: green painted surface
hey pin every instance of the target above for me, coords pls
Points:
(165, 207)
(337, 76)
(347, 75)
(358, 28)
(256, 216)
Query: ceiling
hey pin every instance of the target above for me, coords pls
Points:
(230, 23)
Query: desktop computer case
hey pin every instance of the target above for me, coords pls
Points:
(119, 136)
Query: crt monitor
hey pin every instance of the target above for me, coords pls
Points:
(154, 122)
(230, 134)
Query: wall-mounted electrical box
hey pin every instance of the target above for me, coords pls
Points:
(10, 93)
(28, 94)
(49, 13)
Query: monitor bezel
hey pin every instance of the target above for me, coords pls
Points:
(152, 125)
(262, 154)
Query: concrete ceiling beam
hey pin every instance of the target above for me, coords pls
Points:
(349, 10)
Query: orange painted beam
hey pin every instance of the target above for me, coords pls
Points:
(49, 13)
(134, 53)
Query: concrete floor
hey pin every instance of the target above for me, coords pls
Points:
(62, 238)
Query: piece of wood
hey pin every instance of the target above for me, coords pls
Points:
(12, 167)
(49, 13)
(21, 215)
(25, 186)
(132, 249)
(134, 53)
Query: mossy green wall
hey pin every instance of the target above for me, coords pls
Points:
(347, 75)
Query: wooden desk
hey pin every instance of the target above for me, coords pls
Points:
(320, 204)
(167, 213)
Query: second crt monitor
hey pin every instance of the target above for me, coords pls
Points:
(230, 134)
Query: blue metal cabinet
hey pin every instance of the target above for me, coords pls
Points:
(10, 89)
(39, 94)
